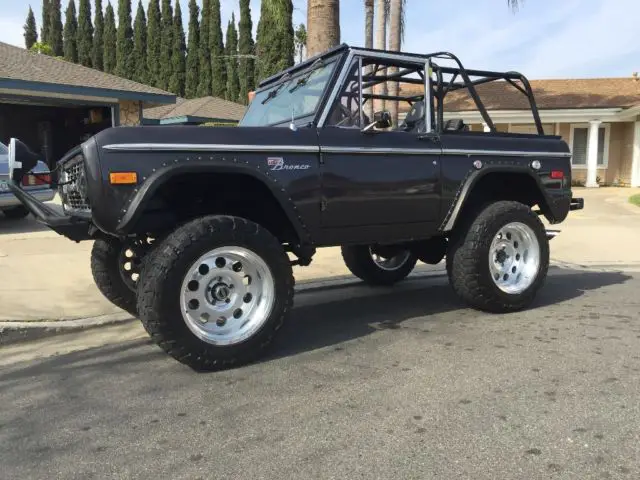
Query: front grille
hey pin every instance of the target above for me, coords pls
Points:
(73, 186)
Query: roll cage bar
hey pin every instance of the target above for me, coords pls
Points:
(446, 79)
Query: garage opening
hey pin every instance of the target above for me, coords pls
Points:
(52, 130)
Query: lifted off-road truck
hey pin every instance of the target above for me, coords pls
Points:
(196, 229)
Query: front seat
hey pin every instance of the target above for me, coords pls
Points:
(414, 121)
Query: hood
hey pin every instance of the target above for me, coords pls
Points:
(202, 136)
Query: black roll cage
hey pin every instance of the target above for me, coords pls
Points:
(439, 87)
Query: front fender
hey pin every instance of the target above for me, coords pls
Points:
(138, 202)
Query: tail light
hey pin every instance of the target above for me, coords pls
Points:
(32, 180)
(557, 174)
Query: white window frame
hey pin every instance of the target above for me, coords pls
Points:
(605, 153)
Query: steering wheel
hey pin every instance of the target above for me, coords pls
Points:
(353, 118)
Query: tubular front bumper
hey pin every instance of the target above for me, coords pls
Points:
(74, 228)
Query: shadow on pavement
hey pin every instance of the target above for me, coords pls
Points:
(329, 322)
(335, 322)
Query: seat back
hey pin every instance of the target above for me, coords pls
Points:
(414, 121)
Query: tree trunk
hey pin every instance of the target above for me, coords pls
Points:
(368, 43)
(395, 20)
(380, 44)
(323, 25)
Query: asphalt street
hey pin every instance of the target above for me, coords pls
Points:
(397, 383)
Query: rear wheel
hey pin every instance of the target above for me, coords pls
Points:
(16, 213)
(215, 292)
(379, 265)
(499, 260)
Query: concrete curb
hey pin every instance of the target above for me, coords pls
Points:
(23, 331)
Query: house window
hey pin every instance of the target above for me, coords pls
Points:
(580, 145)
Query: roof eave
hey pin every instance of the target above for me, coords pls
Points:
(546, 115)
(147, 97)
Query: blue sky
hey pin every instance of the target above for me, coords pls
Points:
(544, 39)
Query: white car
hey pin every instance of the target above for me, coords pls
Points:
(37, 185)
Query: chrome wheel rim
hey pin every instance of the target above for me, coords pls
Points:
(390, 263)
(514, 258)
(227, 295)
(130, 263)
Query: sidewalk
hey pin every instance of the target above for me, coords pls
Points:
(47, 277)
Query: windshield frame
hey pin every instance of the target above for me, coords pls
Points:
(292, 76)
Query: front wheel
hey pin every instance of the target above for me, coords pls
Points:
(215, 292)
(115, 267)
(379, 265)
(499, 260)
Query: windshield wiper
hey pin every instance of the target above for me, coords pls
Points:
(273, 93)
(303, 80)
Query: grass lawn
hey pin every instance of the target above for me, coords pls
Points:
(635, 199)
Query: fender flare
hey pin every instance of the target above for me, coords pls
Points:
(137, 203)
(471, 179)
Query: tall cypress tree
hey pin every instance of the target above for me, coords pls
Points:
(204, 87)
(55, 28)
(97, 57)
(44, 29)
(85, 34)
(139, 55)
(154, 30)
(30, 30)
(178, 60)
(246, 65)
(71, 33)
(193, 53)
(166, 45)
(275, 44)
(125, 40)
(231, 49)
(110, 33)
(216, 46)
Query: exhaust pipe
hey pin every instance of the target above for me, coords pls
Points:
(551, 234)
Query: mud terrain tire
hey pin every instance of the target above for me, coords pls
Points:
(469, 261)
(163, 300)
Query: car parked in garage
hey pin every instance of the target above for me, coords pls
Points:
(37, 184)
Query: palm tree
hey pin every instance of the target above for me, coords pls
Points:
(396, 33)
(380, 43)
(323, 25)
(368, 43)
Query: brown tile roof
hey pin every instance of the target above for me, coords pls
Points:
(204, 107)
(19, 64)
(552, 94)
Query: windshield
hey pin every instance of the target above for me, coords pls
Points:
(295, 97)
(3, 149)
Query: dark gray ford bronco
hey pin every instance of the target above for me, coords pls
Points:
(196, 229)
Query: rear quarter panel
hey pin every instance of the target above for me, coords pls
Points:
(504, 151)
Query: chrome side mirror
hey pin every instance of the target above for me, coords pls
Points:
(380, 120)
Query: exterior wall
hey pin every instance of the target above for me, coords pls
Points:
(626, 152)
(618, 171)
(130, 112)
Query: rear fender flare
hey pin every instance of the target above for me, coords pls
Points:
(147, 190)
(472, 178)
